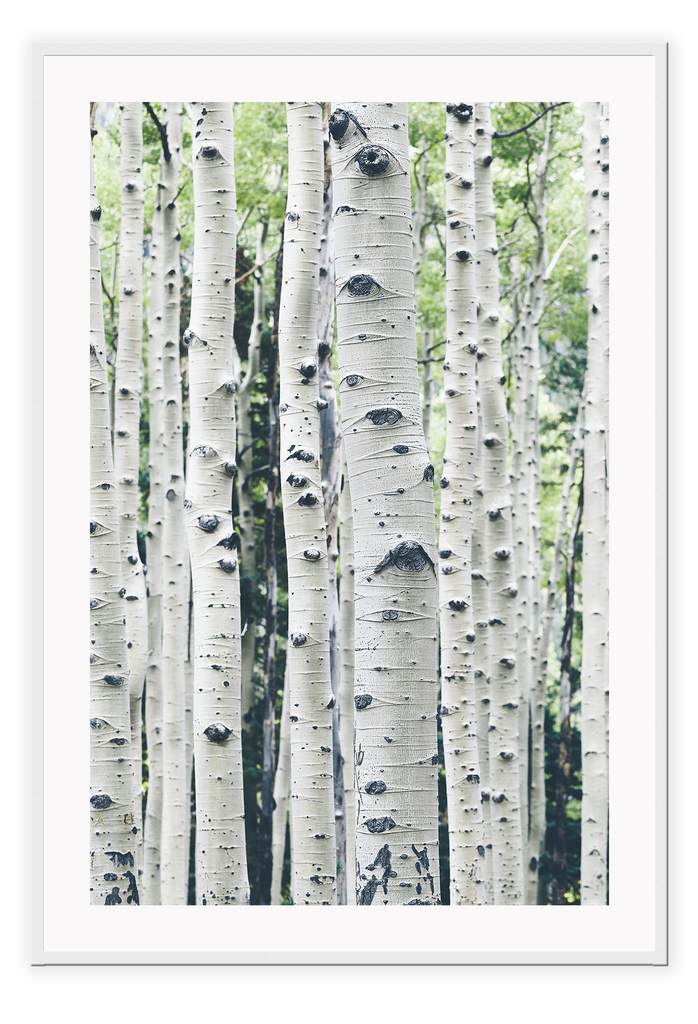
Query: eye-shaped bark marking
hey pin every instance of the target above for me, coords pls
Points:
(97, 723)
(389, 615)
(230, 543)
(296, 481)
(463, 255)
(208, 523)
(506, 755)
(100, 801)
(228, 565)
(308, 369)
(353, 379)
(461, 111)
(373, 160)
(299, 639)
(445, 553)
(374, 788)
(508, 663)
(457, 606)
(428, 474)
(379, 824)
(379, 417)
(339, 123)
(312, 554)
(302, 455)
(118, 741)
(362, 284)
(113, 680)
(401, 449)
(203, 451)
(217, 733)
(308, 499)
(502, 554)
(362, 700)
(407, 555)
(208, 153)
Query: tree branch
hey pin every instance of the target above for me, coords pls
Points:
(516, 131)
(163, 132)
(558, 254)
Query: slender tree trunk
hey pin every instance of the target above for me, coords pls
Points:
(594, 681)
(346, 686)
(128, 387)
(175, 813)
(282, 782)
(312, 701)
(564, 754)
(331, 442)
(428, 386)
(221, 869)
(156, 469)
(419, 227)
(113, 830)
(481, 670)
(248, 566)
(505, 694)
(264, 842)
(458, 707)
(392, 497)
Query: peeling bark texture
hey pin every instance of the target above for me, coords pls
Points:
(594, 682)
(312, 700)
(221, 864)
(174, 862)
(282, 781)
(128, 387)
(245, 440)
(346, 685)
(114, 831)
(393, 507)
(505, 695)
(458, 706)
(152, 831)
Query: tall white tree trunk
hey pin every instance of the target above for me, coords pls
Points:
(113, 830)
(458, 707)
(282, 780)
(481, 670)
(594, 682)
(346, 684)
(127, 390)
(221, 865)
(312, 701)
(391, 491)
(174, 861)
(156, 469)
(505, 695)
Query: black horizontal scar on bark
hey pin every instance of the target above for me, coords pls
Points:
(299, 639)
(120, 860)
(100, 801)
(302, 454)
(208, 523)
(339, 123)
(296, 481)
(374, 788)
(407, 555)
(379, 824)
(308, 499)
(230, 543)
(381, 416)
(228, 565)
(217, 733)
(461, 111)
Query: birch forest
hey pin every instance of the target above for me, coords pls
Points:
(348, 503)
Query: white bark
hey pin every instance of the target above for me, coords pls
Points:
(113, 830)
(481, 671)
(312, 790)
(594, 682)
(346, 684)
(392, 498)
(174, 861)
(156, 468)
(128, 386)
(505, 695)
(282, 781)
(458, 707)
(221, 866)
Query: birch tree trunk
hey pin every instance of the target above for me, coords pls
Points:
(346, 685)
(221, 865)
(481, 670)
(113, 830)
(595, 554)
(312, 700)
(282, 780)
(175, 814)
(505, 695)
(127, 391)
(391, 491)
(156, 470)
(244, 465)
(458, 707)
